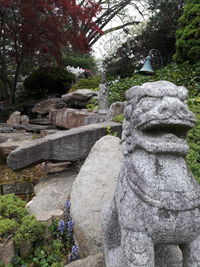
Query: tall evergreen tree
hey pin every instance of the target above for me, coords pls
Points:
(188, 34)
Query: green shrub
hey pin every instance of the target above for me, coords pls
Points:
(48, 81)
(81, 61)
(88, 83)
(7, 227)
(29, 230)
(193, 138)
(118, 118)
(184, 75)
(11, 207)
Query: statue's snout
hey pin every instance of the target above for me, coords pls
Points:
(173, 107)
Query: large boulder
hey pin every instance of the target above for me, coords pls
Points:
(47, 105)
(90, 261)
(93, 187)
(71, 118)
(71, 145)
(116, 109)
(51, 193)
(79, 98)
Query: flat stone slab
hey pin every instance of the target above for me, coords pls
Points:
(70, 145)
(17, 188)
(34, 128)
(5, 128)
(15, 136)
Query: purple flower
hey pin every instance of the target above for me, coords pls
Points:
(70, 226)
(61, 226)
(74, 255)
(67, 204)
(75, 249)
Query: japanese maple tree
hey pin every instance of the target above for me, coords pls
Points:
(40, 28)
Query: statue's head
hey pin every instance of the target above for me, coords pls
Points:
(157, 118)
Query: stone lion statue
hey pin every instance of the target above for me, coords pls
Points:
(154, 217)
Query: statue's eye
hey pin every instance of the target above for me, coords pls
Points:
(147, 103)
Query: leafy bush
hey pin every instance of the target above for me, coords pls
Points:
(89, 83)
(7, 227)
(29, 230)
(48, 81)
(11, 207)
(184, 75)
(81, 61)
(193, 138)
(118, 118)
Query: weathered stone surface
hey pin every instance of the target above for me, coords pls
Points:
(69, 118)
(156, 198)
(116, 109)
(7, 251)
(93, 187)
(50, 168)
(24, 120)
(51, 193)
(47, 105)
(79, 98)
(43, 133)
(97, 118)
(4, 128)
(33, 128)
(14, 118)
(7, 147)
(71, 145)
(42, 121)
(90, 261)
(18, 188)
(15, 136)
(103, 95)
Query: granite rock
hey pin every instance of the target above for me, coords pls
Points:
(14, 118)
(71, 145)
(51, 193)
(47, 105)
(70, 118)
(90, 261)
(79, 98)
(93, 187)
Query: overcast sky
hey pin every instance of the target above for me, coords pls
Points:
(105, 43)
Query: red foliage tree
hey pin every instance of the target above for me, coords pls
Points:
(41, 27)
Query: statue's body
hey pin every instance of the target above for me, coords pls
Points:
(156, 205)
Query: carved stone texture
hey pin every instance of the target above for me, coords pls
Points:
(156, 201)
(47, 105)
(79, 98)
(14, 118)
(103, 97)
